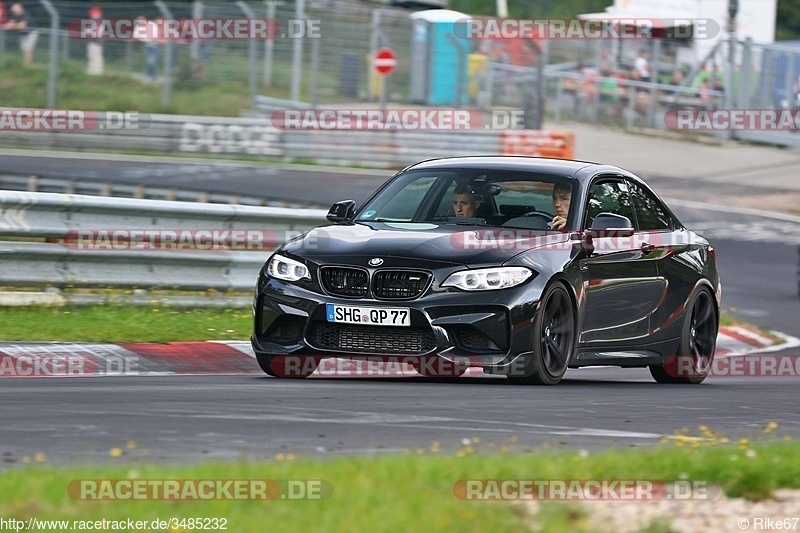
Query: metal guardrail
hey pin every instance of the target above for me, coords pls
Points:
(33, 183)
(386, 148)
(50, 217)
(174, 134)
(257, 137)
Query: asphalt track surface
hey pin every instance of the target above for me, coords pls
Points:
(190, 418)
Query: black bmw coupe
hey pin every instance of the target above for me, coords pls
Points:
(521, 266)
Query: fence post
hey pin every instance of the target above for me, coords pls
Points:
(269, 45)
(746, 74)
(314, 71)
(194, 47)
(297, 53)
(165, 97)
(128, 55)
(53, 76)
(251, 52)
(654, 67)
(65, 45)
(374, 39)
(559, 96)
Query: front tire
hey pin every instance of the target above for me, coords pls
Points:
(697, 344)
(553, 339)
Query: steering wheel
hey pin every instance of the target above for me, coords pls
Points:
(540, 214)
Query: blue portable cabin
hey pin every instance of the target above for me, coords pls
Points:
(441, 57)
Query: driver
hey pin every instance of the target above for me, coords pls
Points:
(465, 202)
(562, 194)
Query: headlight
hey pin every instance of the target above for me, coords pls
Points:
(487, 279)
(281, 267)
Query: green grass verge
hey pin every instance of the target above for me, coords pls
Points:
(120, 323)
(113, 323)
(405, 492)
(116, 91)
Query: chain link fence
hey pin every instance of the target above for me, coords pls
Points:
(322, 57)
(333, 40)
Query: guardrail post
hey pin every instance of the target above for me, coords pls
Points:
(53, 74)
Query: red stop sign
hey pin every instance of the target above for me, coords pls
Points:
(384, 61)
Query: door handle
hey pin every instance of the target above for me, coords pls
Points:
(647, 247)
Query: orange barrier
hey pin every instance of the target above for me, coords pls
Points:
(539, 143)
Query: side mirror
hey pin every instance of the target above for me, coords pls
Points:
(611, 225)
(342, 211)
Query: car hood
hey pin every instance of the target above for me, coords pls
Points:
(450, 244)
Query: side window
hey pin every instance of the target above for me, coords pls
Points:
(608, 197)
(651, 214)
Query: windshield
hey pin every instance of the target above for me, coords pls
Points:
(492, 198)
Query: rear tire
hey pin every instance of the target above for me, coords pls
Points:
(279, 366)
(697, 344)
(553, 339)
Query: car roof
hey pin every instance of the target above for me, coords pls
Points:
(565, 168)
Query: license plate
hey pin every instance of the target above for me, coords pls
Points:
(369, 316)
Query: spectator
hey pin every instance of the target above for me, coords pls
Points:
(21, 21)
(607, 62)
(609, 93)
(147, 31)
(94, 48)
(203, 55)
(642, 65)
(676, 80)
